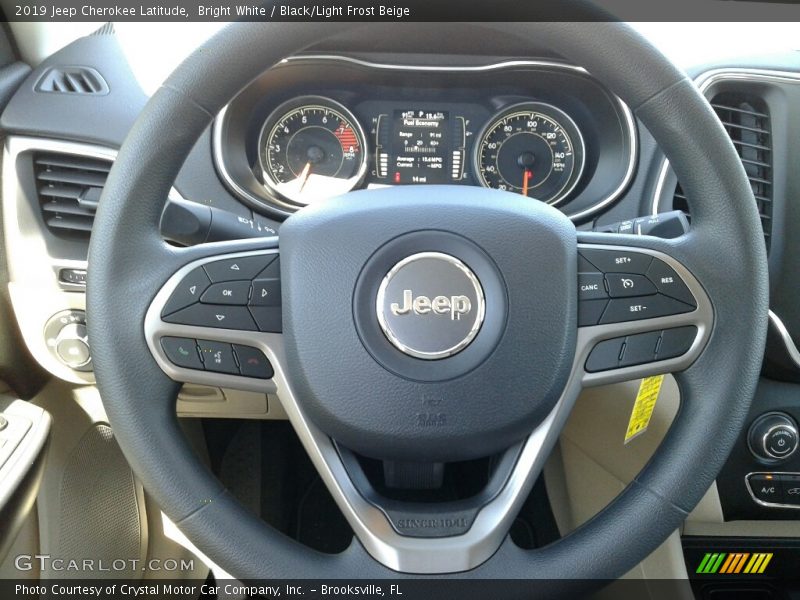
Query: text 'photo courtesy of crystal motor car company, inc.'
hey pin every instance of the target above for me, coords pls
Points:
(416, 300)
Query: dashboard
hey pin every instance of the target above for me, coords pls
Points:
(314, 127)
(334, 120)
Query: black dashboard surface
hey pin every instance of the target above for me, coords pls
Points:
(465, 85)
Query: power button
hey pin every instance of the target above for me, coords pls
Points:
(781, 441)
(773, 436)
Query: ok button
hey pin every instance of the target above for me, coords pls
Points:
(228, 292)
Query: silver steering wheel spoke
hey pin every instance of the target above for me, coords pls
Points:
(492, 520)
(641, 313)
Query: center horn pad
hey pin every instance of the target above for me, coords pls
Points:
(428, 323)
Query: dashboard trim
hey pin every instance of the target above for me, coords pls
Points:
(762, 502)
(286, 209)
(786, 337)
(704, 81)
(35, 289)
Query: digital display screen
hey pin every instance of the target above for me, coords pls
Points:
(420, 147)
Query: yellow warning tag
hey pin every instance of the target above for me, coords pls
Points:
(643, 406)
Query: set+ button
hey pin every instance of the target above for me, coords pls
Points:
(619, 286)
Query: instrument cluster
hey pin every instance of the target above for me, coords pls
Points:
(317, 127)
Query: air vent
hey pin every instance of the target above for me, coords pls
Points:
(69, 189)
(72, 80)
(746, 120)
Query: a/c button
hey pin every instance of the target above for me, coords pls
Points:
(767, 488)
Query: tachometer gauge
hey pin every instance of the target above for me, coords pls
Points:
(533, 149)
(312, 148)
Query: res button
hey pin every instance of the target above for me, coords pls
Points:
(669, 282)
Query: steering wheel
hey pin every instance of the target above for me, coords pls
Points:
(427, 324)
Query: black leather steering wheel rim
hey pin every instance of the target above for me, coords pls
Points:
(129, 262)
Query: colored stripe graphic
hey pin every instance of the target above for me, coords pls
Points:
(734, 563)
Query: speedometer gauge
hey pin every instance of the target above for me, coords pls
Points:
(312, 148)
(533, 149)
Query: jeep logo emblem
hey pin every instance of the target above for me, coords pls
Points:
(430, 305)
(455, 306)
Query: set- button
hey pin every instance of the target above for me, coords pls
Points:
(617, 286)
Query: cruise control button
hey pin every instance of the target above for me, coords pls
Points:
(218, 357)
(229, 292)
(589, 312)
(252, 362)
(605, 355)
(614, 261)
(669, 282)
(767, 488)
(590, 286)
(269, 318)
(188, 291)
(675, 342)
(623, 285)
(266, 292)
(648, 307)
(212, 315)
(231, 269)
(182, 352)
(640, 349)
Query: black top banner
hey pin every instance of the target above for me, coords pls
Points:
(406, 10)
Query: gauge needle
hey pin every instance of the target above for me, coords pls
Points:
(304, 175)
(526, 176)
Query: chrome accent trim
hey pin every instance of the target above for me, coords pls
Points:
(702, 318)
(704, 81)
(380, 302)
(306, 102)
(490, 528)
(767, 457)
(761, 502)
(627, 114)
(495, 121)
(788, 342)
(792, 428)
(30, 264)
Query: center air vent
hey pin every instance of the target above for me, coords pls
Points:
(72, 80)
(69, 188)
(746, 120)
